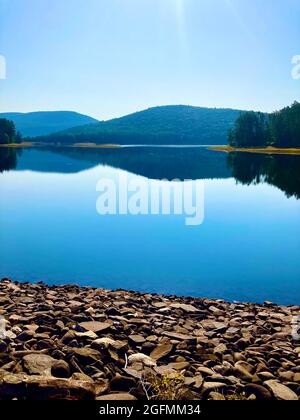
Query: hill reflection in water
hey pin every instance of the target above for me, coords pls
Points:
(281, 171)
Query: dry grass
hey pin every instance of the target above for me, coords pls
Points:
(96, 146)
(168, 388)
(162, 388)
(266, 150)
(17, 145)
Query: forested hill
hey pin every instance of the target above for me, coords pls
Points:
(34, 124)
(174, 124)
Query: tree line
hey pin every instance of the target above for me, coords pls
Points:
(278, 129)
(8, 132)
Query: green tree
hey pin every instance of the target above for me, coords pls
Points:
(279, 129)
(285, 126)
(8, 132)
(251, 130)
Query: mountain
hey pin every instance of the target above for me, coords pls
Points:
(173, 124)
(34, 124)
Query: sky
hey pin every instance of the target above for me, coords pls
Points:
(108, 58)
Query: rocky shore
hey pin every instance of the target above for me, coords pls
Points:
(68, 342)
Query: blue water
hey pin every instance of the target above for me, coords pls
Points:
(247, 247)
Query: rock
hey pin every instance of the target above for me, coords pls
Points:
(161, 351)
(232, 330)
(133, 372)
(259, 391)
(87, 334)
(101, 386)
(96, 326)
(217, 327)
(68, 337)
(189, 381)
(38, 364)
(25, 336)
(205, 371)
(179, 365)
(241, 372)
(137, 339)
(165, 371)
(213, 386)
(287, 376)
(3, 346)
(122, 383)
(86, 354)
(198, 382)
(44, 388)
(48, 388)
(216, 396)
(116, 397)
(280, 391)
(178, 336)
(297, 377)
(60, 369)
(264, 376)
(184, 307)
(78, 376)
(220, 349)
(106, 342)
(141, 358)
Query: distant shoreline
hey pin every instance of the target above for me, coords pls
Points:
(264, 150)
(77, 145)
(226, 149)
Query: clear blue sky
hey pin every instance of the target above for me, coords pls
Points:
(108, 58)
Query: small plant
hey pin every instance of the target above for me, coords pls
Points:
(237, 397)
(167, 387)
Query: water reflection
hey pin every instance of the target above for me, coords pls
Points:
(281, 171)
(8, 158)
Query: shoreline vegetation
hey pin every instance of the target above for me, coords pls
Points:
(256, 130)
(228, 149)
(83, 343)
(266, 150)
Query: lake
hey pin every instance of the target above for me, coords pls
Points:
(247, 247)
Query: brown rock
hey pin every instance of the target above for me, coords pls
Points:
(184, 307)
(137, 339)
(259, 391)
(216, 396)
(280, 391)
(179, 365)
(60, 369)
(116, 397)
(178, 336)
(213, 386)
(44, 388)
(122, 383)
(96, 326)
(161, 351)
(38, 364)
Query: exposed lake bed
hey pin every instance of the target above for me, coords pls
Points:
(70, 342)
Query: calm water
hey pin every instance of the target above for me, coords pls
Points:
(246, 249)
